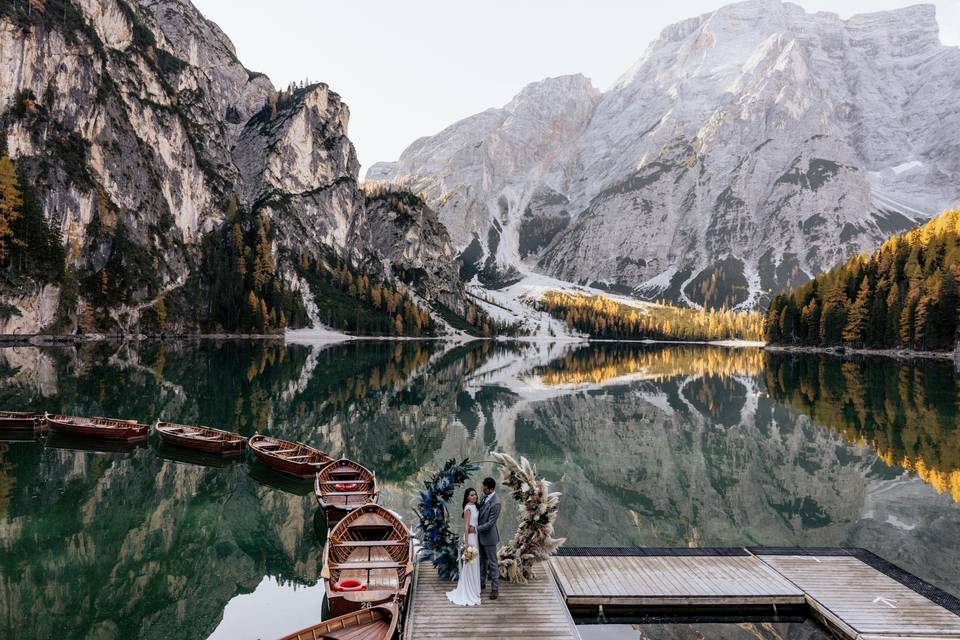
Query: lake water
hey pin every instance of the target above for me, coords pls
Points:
(651, 445)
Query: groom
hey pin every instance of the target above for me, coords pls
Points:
(489, 537)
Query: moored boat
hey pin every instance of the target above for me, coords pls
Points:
(201, 438)
(367, 560)
(103, 428)
(376, 623)
(21, 421)
(293, 458)
(342, 486)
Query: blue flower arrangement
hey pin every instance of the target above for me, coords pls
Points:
(440, 544)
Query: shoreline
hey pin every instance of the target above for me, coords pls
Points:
(308, 337)
(897, 354)
(46, 340)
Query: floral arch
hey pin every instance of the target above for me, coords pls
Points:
(533, 540)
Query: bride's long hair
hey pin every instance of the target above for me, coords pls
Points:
(466, 497)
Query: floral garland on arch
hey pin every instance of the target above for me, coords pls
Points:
(439, 543)
(534, 539)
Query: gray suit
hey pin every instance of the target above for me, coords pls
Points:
(489, 538)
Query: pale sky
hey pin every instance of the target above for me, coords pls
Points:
(409, 68)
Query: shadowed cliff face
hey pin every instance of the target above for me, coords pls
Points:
(658, 446)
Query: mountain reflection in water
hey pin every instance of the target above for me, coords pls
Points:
(651, 445)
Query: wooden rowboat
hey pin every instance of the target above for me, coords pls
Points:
(343, 486)
(367, 560)
(293, 458)
(104, 428)
(376, 623)
(201, 438)
(21, 421)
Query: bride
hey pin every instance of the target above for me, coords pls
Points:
(467, 593)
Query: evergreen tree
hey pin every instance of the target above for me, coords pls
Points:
(833, 318)
(810, 321)
(10, 202)
(856, 326)
(906, 321)
(891, 333)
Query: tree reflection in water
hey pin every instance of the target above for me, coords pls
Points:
(650, 444)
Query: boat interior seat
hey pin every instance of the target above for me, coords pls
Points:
(360, 554)
(372, 543)
(345, 495)
(384, 579)
(371, 630)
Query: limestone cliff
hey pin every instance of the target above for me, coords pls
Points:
(145, 141)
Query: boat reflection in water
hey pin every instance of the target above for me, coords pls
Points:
(190, 456)
(77, 443)
(264, 475)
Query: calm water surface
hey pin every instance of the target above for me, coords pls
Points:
(653, 446)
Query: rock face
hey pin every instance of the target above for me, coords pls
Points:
(748, 149)
(137, 116)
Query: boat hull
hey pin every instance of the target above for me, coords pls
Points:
(306, 470)
(333, 515)
(21, 422)
(233, 445)
(377, 623)
(372, 548)
(357, 487)
(344, 604)
(133, 433)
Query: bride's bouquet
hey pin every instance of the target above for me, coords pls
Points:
(469, 553)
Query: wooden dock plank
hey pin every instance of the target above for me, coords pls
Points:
(845, 589)
(662, 580)
(858, 596)
(534, 610)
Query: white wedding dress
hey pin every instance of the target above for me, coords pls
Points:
(467, 593)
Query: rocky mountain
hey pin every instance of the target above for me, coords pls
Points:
(745, 151)
(171, 174)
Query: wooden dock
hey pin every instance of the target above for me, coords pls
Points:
(531, 611)
(669, 582)
(851, 591)
(861, 602)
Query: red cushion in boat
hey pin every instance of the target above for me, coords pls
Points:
(350, 585)
(347, 486)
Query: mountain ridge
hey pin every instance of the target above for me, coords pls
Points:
(722, 166)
